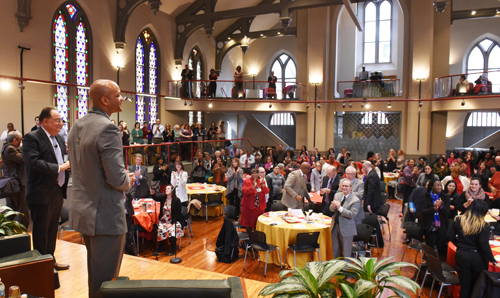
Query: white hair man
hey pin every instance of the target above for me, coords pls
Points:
(357, 185)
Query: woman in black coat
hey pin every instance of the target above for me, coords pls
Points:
(432, 212)
(172, 220)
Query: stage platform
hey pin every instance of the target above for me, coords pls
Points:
(74, 281)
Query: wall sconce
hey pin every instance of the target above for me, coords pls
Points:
(244, 45)
(440, 5)
(420, 87)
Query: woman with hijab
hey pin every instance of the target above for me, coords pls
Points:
(473, 192)
(432, 212)
(253, 203)
(470, 233)
(426, 176)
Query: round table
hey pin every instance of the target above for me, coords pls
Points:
(285, 234)
(205, 189)
(389, 177)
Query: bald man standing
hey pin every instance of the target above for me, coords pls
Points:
(99, 183)
(296, 187)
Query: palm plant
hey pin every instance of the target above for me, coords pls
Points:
(373, 277)
(315, 280)
(10, 227)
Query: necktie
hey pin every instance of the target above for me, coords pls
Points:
(338, 213)
(327, 195)
(138, 170)
(61, 178)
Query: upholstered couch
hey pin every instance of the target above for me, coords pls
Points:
(208, 288)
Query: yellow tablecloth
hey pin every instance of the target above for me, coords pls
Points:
(206, 189)
(389, 177)
(285, 234)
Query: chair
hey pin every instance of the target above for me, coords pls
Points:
(383, 212)
(364, 233)
(257, 241)
(213, 200)
(412, 233)
(437, 273)
(306, 242)
(199, 197)
(187, 226)
(230, 212)
(63, 223)
(383, 191)
(446, 267)
(278, 206)
(372, 220)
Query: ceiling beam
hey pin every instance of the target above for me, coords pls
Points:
(354, 17)
(479, 13)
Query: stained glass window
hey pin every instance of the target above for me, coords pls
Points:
(71, 10)
(139, 81)
(60, 39)
(153, 78)
(377, 33)
(81, 69)
(285, 71)
(195, 62)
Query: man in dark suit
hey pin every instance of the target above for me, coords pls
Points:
(187, 76)
(140, 188)
(37, 124)
(328, 189)
(372, 197)
(99, 183)
(44, 153)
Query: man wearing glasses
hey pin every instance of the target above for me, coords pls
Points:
(46, 163)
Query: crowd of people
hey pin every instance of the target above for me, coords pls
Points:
(433, 192)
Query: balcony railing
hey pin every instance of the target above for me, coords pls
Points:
(369, 88)
(476, 84)
(290, 90)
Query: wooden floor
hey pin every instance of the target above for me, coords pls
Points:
(199, 260)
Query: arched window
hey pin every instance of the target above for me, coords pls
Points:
(377, 32)
(285, 70)
(71, 60)
(479, 61)
(195, 62)
(146, 74)
(483, 119)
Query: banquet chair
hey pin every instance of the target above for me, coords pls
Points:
(443, 277)
(278, 206)
(306, 242)
(383, 189)
(257, 241)
(429, 251)
(187, 226)
(372, 220)
(383, 212)
(412, 231)
(213, 200)
(230, 212)
(364, 233)
(64, 223)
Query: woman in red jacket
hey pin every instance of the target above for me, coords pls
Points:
(253, 203)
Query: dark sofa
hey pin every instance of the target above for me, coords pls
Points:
(208, 288)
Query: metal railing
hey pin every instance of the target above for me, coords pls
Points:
(476, 84)
(369, 88)
(181, 148)
(236, 89)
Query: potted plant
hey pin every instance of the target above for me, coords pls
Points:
(9, 227)
(368, 278)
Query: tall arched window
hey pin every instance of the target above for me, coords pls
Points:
(146, 74)
(377, 32)
(195, 62)
(479, 61)
(285, 70)
(71, 60)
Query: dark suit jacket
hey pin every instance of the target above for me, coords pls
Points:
(371, 195)
(42, 168)
(141, 190)
(335, 186)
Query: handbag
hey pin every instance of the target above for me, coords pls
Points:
(9, 185)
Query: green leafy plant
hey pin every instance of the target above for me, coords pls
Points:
(309, 282)
(364, 278)
(373, 277)
(10, 227)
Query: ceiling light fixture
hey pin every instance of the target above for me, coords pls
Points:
(473, 12)
(463, 103)
(308, 105)
(185, 103)
(270, 105)
(389, 105)
(350, 105)
(343, 105)
(319, 106)
(191, 103)
(210, 105)
(420, 104)
(362, 104)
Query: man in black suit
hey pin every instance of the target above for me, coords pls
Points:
(44, 153)
(140, 189)
(372, 197)
(328, 189)
(187, 76)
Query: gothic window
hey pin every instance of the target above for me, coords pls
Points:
(146, 77)
(71, 60)
(285, 71)
(479, 63)
(377, 33)
(195, 63)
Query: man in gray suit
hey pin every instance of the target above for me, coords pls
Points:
(140, 189)
(346, 207)
(357, 185)
(99, 183)
(296, 187)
